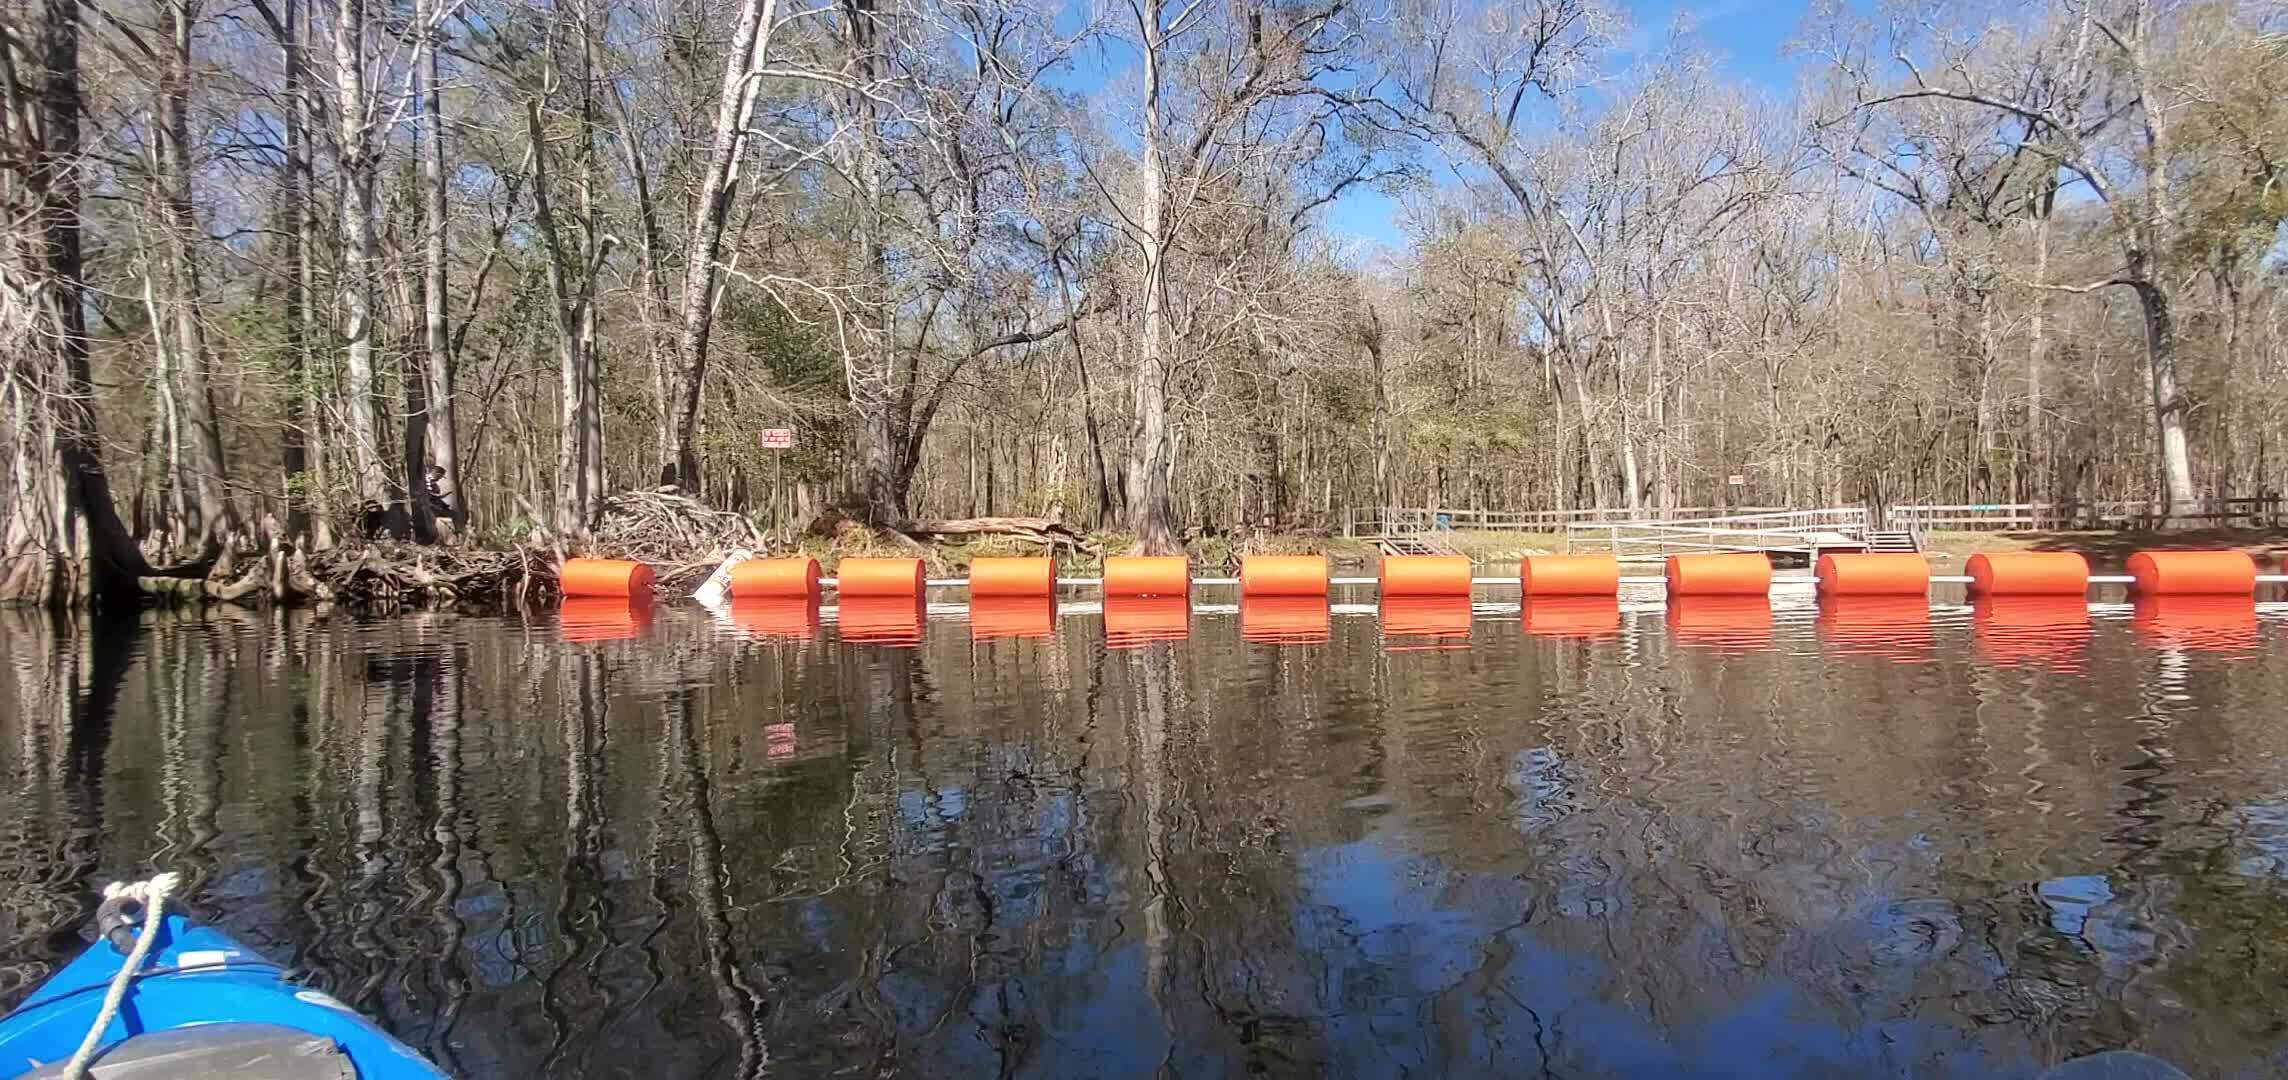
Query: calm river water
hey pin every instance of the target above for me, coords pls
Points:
(1580, 844)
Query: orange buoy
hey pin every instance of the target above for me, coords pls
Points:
(1148, 575)
(604, 577)
(604, 618)
(2034, 629)
(880, 620)
(1895, 628)
(757, 578)
(2196, 621)
(1726, 574)
(1012, 616)
(1283, 575)
(2028, 573)
(879, 577)
(1012, 577)
(789, 618)
(2193, 573)
(1573, 616)
(1283, 619)
(1426, 575)
(1730, 622)
(1874, 574)
(1569, 575)
(1426, 616)
(1131, 621)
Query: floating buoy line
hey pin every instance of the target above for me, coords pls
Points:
(1725, 597)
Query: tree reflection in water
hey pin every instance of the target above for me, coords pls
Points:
(695, 850)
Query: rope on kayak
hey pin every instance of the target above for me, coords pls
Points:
(152, 895)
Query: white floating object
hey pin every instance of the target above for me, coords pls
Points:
(717, 588)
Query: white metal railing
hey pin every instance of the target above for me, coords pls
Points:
(2119, 513)
(1797, 531)
(1372, 521)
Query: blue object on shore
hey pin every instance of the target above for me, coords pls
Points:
(204, 1005)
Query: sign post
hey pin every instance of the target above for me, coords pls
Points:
(779, 438)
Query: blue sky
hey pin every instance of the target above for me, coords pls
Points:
(1746, 36)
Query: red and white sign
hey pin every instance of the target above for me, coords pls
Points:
(1736, 480)
(778, 438)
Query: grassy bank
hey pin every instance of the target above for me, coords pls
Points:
(2107, 550)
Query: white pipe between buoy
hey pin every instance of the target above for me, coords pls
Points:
(1632, 579)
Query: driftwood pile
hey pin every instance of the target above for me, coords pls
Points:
(393, 576)
(682, 538)
(664, 525)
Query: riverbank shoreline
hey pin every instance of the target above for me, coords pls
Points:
(381, 577)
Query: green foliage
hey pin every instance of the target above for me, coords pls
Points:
(2230, 139)
(780, 371)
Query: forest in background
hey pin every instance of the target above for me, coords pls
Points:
(302, 269)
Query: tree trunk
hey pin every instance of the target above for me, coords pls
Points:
(1151, 461)
(1107, 493)
(2168, 402)
(2037, 348)
(435, 489)
(63, 542)
(201, 462)
(1592, 461)
(593, 247)
(884, 413)
(1663, 491)
(413, 449)
(361, 257)
(298, 233)
(2152, 240)
(1374, 347)
(655, 313)
(750, 44)
(579, 466)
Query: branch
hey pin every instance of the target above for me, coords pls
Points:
(2092, 177)
(2093, 286)
(1028, 337)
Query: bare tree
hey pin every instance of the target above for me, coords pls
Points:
(1220, 89)
(743, 64)
(572, 282)
(2088, 85)
(441, 428)
(63, 542)
(357, 161)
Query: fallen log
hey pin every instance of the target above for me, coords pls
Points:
(173, 591)
(1039, 530)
